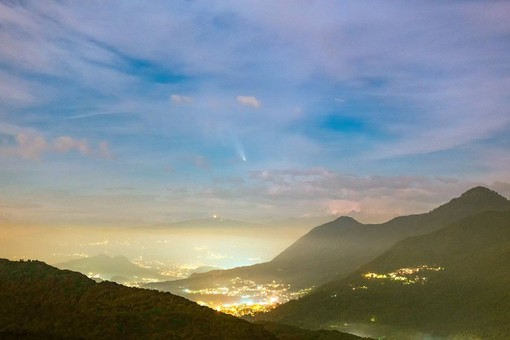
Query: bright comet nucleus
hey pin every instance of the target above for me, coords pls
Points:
(240, 151)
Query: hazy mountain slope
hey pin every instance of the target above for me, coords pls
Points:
(39, 299)
(335, 249)
(464, 289)
(110, 268)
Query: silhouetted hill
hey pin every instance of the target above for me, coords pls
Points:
(116, 268)
(213, 222)
(40, 301)
(335, 249)
(453, 281)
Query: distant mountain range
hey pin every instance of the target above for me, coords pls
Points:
(333, 250)
(451, 282)
(217, 222)
(299, 223)
(117, 268)
(38, 301)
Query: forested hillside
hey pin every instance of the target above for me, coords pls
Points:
(453, 281)
(41, 301)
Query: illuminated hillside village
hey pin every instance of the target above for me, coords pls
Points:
(249, 297)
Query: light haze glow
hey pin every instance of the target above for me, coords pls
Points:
(129, 115)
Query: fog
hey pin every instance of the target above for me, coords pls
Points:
(192, 247)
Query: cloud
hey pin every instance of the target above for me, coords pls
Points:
(14, 90)
(65, 144)
(180, 99)
(428, 56)
(33, 146)
(324, 192)
(339, 207)
(419, 78)
(249, 101)
(30, 146)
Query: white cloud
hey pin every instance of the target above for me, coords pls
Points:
(33, 146)
(323, 192)
(338, 207)
(180, 99)
(30, 146)
(65, 144)
(14, 89)
(248, 101)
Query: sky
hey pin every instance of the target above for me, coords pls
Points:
(133, 113)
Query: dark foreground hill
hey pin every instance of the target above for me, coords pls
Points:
(333, 250)
(454, 281)
(38, 301)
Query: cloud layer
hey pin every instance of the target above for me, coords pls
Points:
(248, 101)
(241, 100)
(32, 147)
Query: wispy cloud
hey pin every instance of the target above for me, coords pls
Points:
(65, 144)
(34, 146)
(14, 90)
(180, 99)
(28, 146)
(249, 101)
(320, 192)
(396, 94)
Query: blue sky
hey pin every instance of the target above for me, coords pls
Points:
(142, 112)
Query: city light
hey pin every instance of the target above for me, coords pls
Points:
(404, 275)
(252, 297)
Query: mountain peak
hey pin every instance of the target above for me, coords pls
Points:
(347, 220)
(482, 196)
(332, 228)
(474, 200)
(480, 192)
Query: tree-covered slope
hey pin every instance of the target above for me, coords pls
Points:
(39, 300)
(453, 281)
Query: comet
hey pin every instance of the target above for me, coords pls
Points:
(240, 151)
(242, 155)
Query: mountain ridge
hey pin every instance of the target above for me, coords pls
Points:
(335, 249)
(463, 269)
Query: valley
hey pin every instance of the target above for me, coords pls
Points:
(445, 257)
